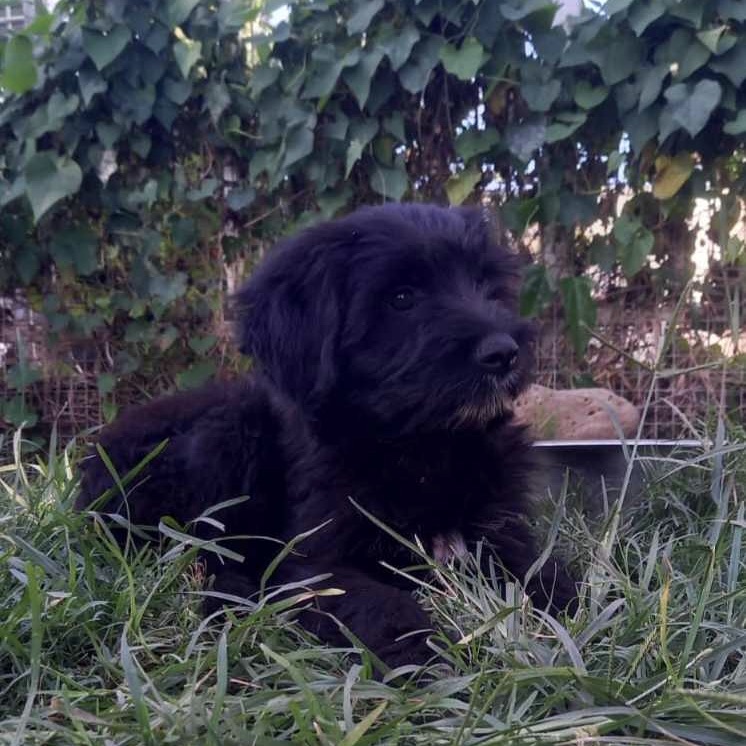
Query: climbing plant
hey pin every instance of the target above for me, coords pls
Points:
(147, 144)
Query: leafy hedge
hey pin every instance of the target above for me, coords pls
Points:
(146, 144)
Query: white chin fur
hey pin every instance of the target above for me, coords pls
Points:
(448, 547)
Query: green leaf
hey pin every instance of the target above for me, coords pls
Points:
(362, 15)
(634, 243)
(104, 47)
(195, 375)
(536, 292)
(652, 81)
(390, 183)
(518, 214)
(689, 107)
(622, 59)
(475, 142)
(298, 144)
(541, 96)
(177, 11)
(177, 91)
(75, 247)
(711, 37)
(217, 100)
(326, 67)
(736, 126)
(186, 53)
(580, 310)
(733, 64)
(19, 72)
(565, 125)
(641, 15)
(396, 44)
(525, 139)
(17, 412)
(27, 263)
(603, 253)
(361, 133)
(735, 9)
(416, 72)
(202, 345)
(49, 179)
(463, 61)
(105, 383)
(238, 199)
(589, 97)
(22, 375)
(359, 77)
(90, 83)
(671, 174)
(460, 185)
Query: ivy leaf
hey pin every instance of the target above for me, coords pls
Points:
(460, 185)
(75, 247)
(641, 15)
(736, 126)
(622, 58)
(326, 67)
(398, 45)
(361, 133)
(416, 72)
(589, 97)
(186, 53)
(90, 83)
(735, 9)
(463, 61)
(634, 243)
(689, 107)
(195, 375)
(541, 96)
(104, 47)
(711, 38)
(19, 72)
(536, 292)
(359, 77)
(475, 142)
(733, 64)
(298, 144)
(580, 310)
(27, 263)
(49, 179)
(238, 199)
(17, 412)
(362, 15)
(390, 183)
(525, 139)
(566, 123)
(105, 383)
(202, 345)
(671, 174)
(652, 81)
(603, 253)
(177, 11)
(217, 100)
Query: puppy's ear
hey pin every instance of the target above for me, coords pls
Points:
(290, 314)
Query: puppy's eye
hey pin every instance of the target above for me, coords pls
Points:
(403, 298)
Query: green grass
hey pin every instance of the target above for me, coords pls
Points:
(100, 646)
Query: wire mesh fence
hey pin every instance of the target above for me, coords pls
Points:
(701, 372)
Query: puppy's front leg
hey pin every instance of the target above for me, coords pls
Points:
(512, 541)
(386, 619)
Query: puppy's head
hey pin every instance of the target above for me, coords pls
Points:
(401, 316)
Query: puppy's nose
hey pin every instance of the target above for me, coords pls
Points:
(497, 353)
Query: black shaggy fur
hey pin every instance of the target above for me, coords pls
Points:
(388, 350)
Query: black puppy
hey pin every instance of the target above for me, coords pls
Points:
(388, 350)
